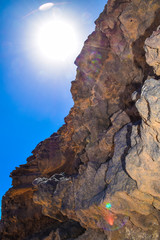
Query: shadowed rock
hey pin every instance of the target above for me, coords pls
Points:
(90, 149)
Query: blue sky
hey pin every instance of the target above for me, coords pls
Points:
(34, 94)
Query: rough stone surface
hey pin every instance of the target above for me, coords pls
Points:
(92, 235)
(67, 230)
(143, 160)
(152, 48)
(83, 166)
(84, 198)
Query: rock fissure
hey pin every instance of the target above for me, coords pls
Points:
(98, 176)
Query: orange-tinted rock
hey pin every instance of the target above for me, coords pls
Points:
(91, 147)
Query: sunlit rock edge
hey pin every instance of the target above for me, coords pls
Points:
(107, 152)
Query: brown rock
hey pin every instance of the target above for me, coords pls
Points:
(92, 235)
(91, 147)
(83, 198)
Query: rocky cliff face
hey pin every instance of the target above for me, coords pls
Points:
(98, 176)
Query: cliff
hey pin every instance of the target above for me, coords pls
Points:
(98, 176)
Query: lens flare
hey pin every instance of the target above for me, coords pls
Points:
(42, 8)
(46, 6)
(108, 205)
(110, 221)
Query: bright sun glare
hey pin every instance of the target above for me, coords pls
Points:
(56, 40)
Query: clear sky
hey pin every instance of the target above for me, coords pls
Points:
(35, 91)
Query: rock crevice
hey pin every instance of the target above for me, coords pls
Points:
(99, 174)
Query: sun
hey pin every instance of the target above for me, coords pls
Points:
(56, 40)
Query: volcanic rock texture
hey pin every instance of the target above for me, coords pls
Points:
(98, 176)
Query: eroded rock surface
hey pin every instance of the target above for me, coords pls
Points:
(152, 48)
(84, 197)
(83, 166)
(143, 161)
